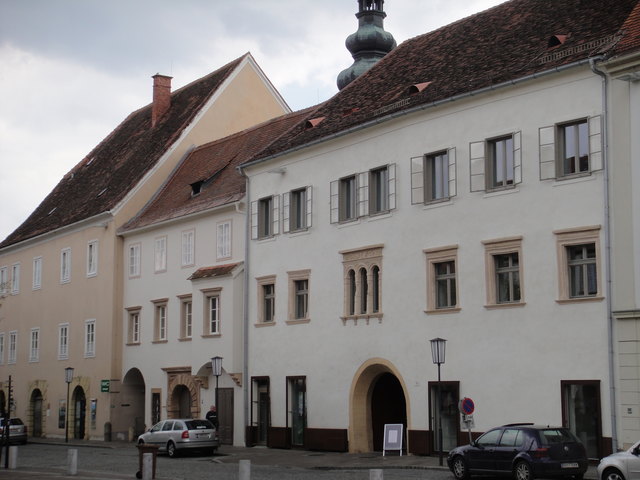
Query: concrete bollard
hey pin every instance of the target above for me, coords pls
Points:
(375, 474)
(245, 470)
(13, 457)
(72, 461)
(147, 466)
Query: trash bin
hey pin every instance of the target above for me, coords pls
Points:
(142, 449)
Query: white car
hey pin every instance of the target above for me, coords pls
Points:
(621, 465)
(176, 435)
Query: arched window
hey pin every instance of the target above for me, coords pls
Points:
(364, 290)
(352, 292)
(375, 285)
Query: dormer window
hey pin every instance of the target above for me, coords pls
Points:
(418, 87)
(314, 122)
(196, 188)
(556, 40)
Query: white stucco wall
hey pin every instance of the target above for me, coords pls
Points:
(509, 360)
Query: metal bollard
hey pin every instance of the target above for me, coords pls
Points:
(245, 470)
(72, 461)
(13, 457)
(147, 466)
(375, 474)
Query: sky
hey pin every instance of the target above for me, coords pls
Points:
(72, 70)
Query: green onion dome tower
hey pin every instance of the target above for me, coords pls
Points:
(369, 43)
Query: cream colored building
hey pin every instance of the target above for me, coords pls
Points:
(62, 269)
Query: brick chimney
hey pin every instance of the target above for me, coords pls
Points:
(161, 97)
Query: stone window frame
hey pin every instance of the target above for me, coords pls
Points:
(261, 282)
(500, 246)
(435, 256)
(293, 278)
(356, 260)
(132, 312)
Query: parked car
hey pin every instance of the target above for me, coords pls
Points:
(176, 435)
(17, 431)
(621, 465)
(523, 450)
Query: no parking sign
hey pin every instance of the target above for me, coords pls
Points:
(466, 406)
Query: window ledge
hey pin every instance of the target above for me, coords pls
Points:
(495, 192)
(298, 321)
(443, 311)
(210, 335)
(497, 306)
(563, 301)
(129, 344)
(366, 318)
(159, 341)
(264, 324)
(184, 339)
(442, 202)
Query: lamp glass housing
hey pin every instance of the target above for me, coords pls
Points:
(438, 346)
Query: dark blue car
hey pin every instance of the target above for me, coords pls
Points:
(525, 451)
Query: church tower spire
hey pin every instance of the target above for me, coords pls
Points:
(369, 43)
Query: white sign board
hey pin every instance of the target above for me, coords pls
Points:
(392, 437)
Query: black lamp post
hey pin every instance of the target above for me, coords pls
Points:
(216, 369)
(437, 353)
(68, 377)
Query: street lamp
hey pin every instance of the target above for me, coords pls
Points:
(216, 369)
(68, 377)
(437, 353)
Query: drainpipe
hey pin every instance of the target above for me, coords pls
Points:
(245, 314)
(607, 257)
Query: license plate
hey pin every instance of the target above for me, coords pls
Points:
(569, 465)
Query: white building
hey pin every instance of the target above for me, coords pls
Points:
(456, 190)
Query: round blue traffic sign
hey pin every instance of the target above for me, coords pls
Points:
(467, 406)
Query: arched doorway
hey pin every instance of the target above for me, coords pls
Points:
(377, 397)
(79, 402)
(181, 400)
(132, 404)
(36, 409)
(387, 406)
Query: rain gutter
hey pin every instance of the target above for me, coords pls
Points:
(608, 254)
(245, 308)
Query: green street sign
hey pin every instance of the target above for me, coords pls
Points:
(104, 385)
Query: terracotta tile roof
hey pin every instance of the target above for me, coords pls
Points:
(103, 178)
(209, 272)
(513, 40)
(631, 29)
(213, 166)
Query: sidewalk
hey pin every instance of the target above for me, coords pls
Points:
(271, 457)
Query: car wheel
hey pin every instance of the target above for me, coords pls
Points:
(459, 468)
(171, 450)
(612, 474)
(522, 471)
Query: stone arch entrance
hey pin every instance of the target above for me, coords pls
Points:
(378, 396)
(35, 404)
(184, 393)
(131, 415)
(79, 413)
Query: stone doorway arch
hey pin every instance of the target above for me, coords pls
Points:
(369, 407)
(184, 393)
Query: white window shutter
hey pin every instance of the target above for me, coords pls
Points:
(451, 154)
(363, 194)
(595, 143)
(309, 204)
(547, 152)
(517, 158)
(417, 180)
(276, 214)
(477, 166)
(392, 186)
(254, 220)
(334, 201)
(286, 206)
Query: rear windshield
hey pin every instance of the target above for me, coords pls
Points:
(553, 436)
(198, 424)
(13, 421)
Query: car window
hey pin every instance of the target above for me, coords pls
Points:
(167, 426)
(199, 424)
(489, 439)
(157, 427)
(512, 437)
(178, 426)
(552, 436)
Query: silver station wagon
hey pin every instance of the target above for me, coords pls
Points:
(176, 435)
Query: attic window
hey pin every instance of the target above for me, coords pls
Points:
(556, 40)
(314, 122)
(196, 187)
(418, 87)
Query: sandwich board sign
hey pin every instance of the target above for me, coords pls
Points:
(392, 437)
